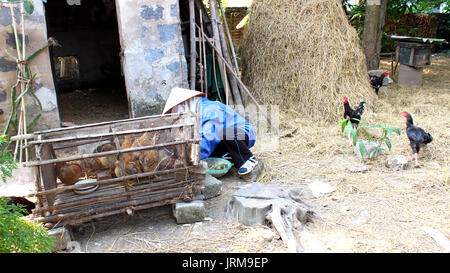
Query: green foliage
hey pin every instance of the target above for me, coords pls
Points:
(396, 9)
(24, 75)
(7, 163)
(356, 14)
(20, 236)
(223, 2)
(350, 131)
(27, 4)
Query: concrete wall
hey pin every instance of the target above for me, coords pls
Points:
(153, 58)
(153, 61)
(35, 27)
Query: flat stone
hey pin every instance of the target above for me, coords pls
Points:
(62, 236)
(251, 204)
(370, 146)
(212, 187)
(397, 163)
(189, 212)
(250, 211)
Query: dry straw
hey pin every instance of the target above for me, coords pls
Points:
(305, 56)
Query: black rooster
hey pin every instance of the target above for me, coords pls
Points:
(349, 113)
(377, 81)
(26, 204)
(417, 137)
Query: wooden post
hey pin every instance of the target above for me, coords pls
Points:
(233, 84)
(216, 37)
(48, 171)
(221, 43)
(230, 41)
(193, 44)
(200, 46)
(200, 36)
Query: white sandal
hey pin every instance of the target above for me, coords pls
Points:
(248, 166)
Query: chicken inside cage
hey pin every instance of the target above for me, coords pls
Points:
(96, 170)
(121, 163)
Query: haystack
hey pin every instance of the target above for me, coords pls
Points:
(304, 56)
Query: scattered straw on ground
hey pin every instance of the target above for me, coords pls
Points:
(374, 209)
(305, 56)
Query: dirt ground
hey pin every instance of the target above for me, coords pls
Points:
(92, 105)
(373, 209)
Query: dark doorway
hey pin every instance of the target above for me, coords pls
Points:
(86, 68)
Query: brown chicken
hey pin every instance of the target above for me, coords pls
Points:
(147, 159)
(129, 168)
(131, 165)
(126, 144)
(68, 173)
(106, 161)
(90, 166)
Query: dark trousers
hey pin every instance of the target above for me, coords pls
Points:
(238, 150)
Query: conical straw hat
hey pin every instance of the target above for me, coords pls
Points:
(179, 95)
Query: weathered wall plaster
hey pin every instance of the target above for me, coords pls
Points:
(153, 61)
(153, 58)
(36, 30)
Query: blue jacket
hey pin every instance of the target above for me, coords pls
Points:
(220, 122)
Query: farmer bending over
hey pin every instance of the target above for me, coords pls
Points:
(224, 132)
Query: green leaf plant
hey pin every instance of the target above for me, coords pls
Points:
(352, 132)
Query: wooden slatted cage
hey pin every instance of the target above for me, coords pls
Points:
(150, 161)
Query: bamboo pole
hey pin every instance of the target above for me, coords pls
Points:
(215, 74)
(150, 182)
(108, 196)
(216, 37)
(24, 111)
(110, 134)
(233, 52)
(19, 56)
(204, 50)
(227, 90)
(200, 45)
(114, 152)
(193, 44)
(88, 212)
(111, 181)
(21, 71)
(114, 122)
(215, 17)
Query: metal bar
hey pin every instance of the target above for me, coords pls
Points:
(114, 152)
(109, 123)
(111, 181)
(102, 135)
